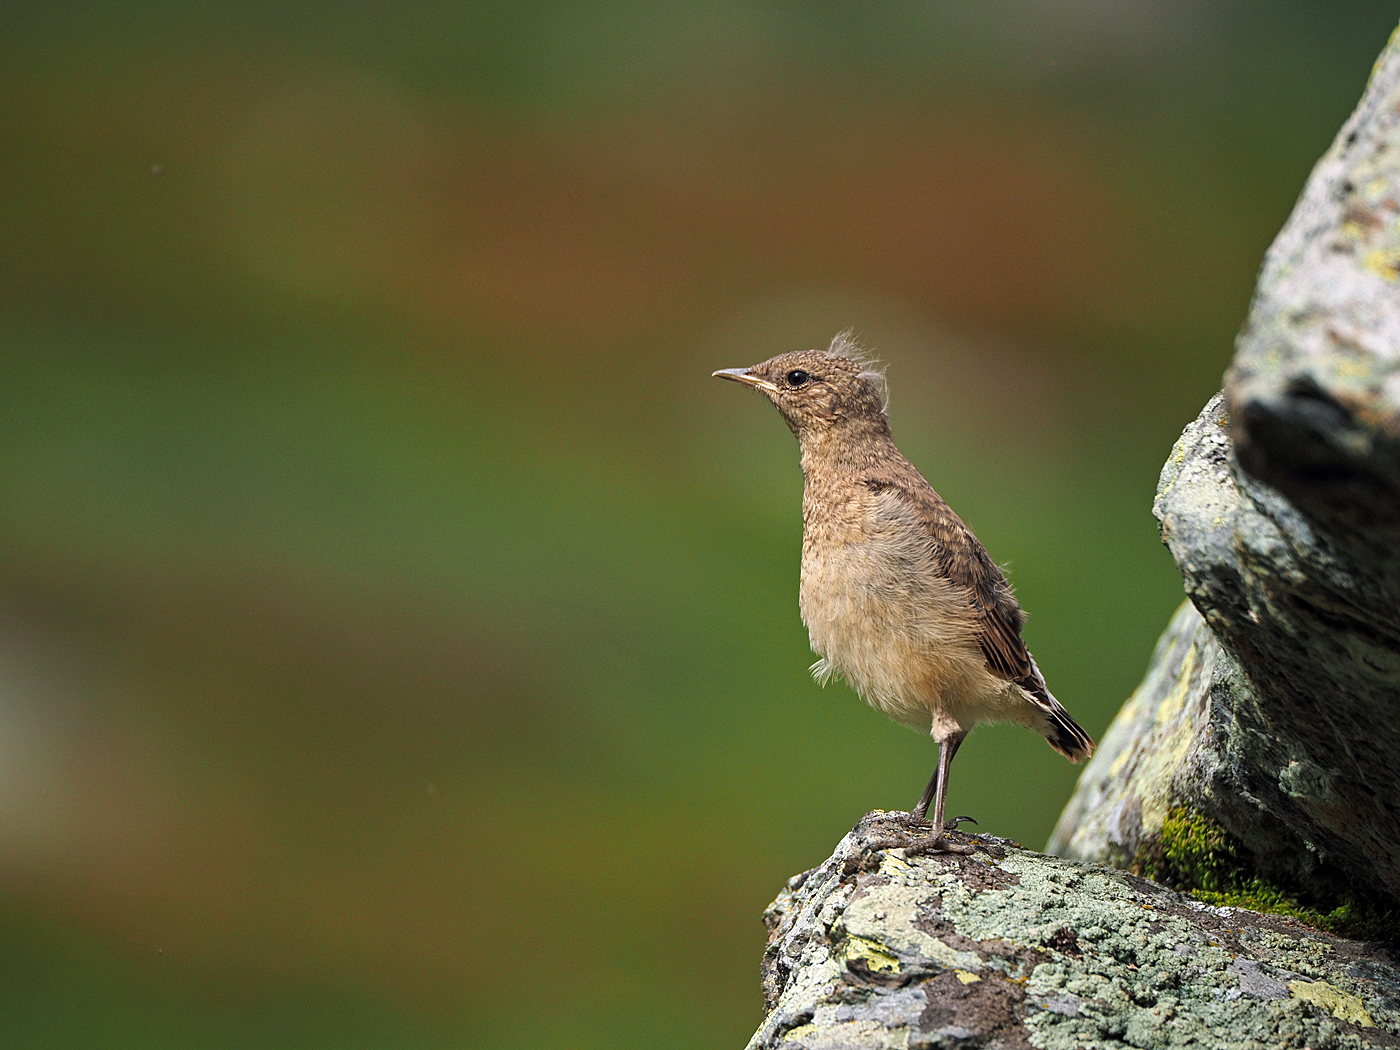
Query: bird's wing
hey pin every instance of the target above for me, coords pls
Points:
(966, 564)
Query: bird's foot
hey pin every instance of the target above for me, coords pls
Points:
(913, 822)
(933, 841)
(917, 847)
(908, 821)
(935, 844)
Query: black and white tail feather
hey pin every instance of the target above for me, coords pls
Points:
(1061, 731)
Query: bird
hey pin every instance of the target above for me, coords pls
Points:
(898, 596)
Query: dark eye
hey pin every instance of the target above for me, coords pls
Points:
(797, 377)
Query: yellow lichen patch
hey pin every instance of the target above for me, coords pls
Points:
(965, 977)
(886, 918)
(1383, 263)
(1128, 753)
(872, 954)
(1342, 1006)
(1168, 710)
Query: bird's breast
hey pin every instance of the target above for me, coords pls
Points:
(879, 610)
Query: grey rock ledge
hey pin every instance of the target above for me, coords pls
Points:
(1009, 948)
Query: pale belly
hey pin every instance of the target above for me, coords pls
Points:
(880, 615)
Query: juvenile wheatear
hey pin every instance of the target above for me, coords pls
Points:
(898, 595)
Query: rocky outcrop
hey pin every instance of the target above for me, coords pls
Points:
(1008, 948)
(1150, 756)
(1276, 713)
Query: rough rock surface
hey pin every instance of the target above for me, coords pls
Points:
(1008, 948)
(1314, 390)
(1276, 718)
(1149, 760)
(1294, 776)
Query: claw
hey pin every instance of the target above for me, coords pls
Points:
(918, 847)
(878, 845)
(933, 842)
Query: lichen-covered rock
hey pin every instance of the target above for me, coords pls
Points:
(1276, 718)
(1211, 733)
(1136, 779)
(1314, 389)
(1008, 948)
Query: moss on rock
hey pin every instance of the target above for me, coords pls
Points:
(1196, 855)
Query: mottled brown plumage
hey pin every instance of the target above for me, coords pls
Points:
(898, 595)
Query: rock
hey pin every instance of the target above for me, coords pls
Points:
(1314, 389)
(1148, 760)
(1221, 735)
(1009, 948)
(1273, 714)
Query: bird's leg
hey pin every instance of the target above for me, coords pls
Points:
(920, 811)
(938, 842)
(915, 820)
(937, 794)
(918, 816)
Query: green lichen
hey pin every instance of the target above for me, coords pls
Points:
(1197, 856)
(1334, 1001)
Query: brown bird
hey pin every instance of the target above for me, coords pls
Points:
(898, 595)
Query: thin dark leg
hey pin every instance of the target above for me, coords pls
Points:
(938, 841)
(946, 750)
(920, 811)
(938, 783)
(937, 794)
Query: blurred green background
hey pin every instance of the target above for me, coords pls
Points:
(398, 627)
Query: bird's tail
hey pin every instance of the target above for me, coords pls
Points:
(1061, 731)
(1065, 734)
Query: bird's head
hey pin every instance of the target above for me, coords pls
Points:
(816, 390)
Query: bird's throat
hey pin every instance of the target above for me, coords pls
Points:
(846, 451)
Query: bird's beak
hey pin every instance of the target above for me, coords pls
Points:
(745, 375)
